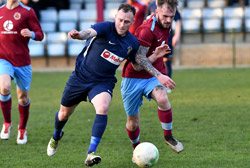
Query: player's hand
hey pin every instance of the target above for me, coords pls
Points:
(166, 81)
(74, 34)
(26, 33)
(162, 50)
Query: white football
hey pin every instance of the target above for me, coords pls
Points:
(146, 154)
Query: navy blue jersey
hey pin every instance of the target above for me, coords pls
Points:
(103, 54)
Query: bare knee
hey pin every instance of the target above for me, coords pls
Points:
(163, 103)
(102, 109)
(63, 115)
(5, 90)
(132, 124)
(5, 84)
(65, 112)
(23, 99)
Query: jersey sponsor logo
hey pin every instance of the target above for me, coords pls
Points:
(17, 16)
(8, 26)
(111, 57)
(1, 17)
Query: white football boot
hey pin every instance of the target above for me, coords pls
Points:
(5, 133)
(22, 136)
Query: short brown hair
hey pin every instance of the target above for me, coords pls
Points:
(171, 3)
(127, 8)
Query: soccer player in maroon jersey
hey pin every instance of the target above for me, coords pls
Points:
(140, 14)
(137, 83)
(18, 23)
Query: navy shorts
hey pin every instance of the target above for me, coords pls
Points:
(77, 90)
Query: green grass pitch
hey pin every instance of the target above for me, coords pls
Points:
(211, 116)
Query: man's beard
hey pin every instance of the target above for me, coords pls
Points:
(159, 22)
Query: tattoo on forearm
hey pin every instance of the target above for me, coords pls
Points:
(85, 34)
(143, 61)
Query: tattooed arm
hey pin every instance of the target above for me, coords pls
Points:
(144, 62)
(158, 53)
(82, 35)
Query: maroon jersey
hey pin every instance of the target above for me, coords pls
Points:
(150, 34)
(13, 46)
(139, 15)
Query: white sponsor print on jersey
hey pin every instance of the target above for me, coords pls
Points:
(111, 57)
(8, 26)
(1, 17)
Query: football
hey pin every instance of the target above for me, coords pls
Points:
(146, 154)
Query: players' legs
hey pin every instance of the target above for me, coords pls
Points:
(164, 109)
(73, 94)
(23, 107)
(101, 104)
(133, 129)
(6, 74)
(5, 97)
(132, 92)
(165, 116)
(61, 119)
(22, 79)
(5, 103)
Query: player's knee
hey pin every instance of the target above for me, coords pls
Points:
(163, 102)
(102, 109)
(132, 125)
(5, 90)
(63, 115)
(23, 100)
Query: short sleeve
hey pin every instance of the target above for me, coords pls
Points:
(102, 28)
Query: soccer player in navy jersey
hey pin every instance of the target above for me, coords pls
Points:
(107, 45)
(18, 23)
(137, 83)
